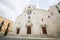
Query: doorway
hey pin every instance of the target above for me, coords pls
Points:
(18, 31)
(44, 30)
(29, 30)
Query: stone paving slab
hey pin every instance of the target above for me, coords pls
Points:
(8, 38)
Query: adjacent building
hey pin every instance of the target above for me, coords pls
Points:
(54, 11)
(4, 24)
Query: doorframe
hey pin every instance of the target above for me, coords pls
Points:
(29, 30)
(18, 29)
(44, 25)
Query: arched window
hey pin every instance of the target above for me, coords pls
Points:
(29, 17)
(48, 16)
(42, 19)
(59, 11)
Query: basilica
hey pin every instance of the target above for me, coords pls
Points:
(36, 22)
(33, 22)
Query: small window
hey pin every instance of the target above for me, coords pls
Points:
(57, 7)
(48, 16)
(29, 17)
(59, 11)
(29, 12)
(28, 7)
(42, 19)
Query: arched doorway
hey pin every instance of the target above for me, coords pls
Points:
(28, 29)
(17, 30)
(29, 25)
(44, 30)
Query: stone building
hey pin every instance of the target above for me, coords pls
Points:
(35, 22)
(3, 24)
(54, 11)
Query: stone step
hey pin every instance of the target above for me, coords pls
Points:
(10, 34)
(27, 38)
(40, 36)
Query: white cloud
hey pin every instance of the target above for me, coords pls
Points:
(5, 10)
(52, 2)
(12, 8)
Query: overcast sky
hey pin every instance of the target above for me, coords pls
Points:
(12, 8)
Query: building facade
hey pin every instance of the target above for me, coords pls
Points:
(4, 24)
(54, 11)
(35, 22)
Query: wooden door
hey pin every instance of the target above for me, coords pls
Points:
(44, 30)
(29, 30)
(18, 29)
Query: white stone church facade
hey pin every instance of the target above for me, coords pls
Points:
(34, 21)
